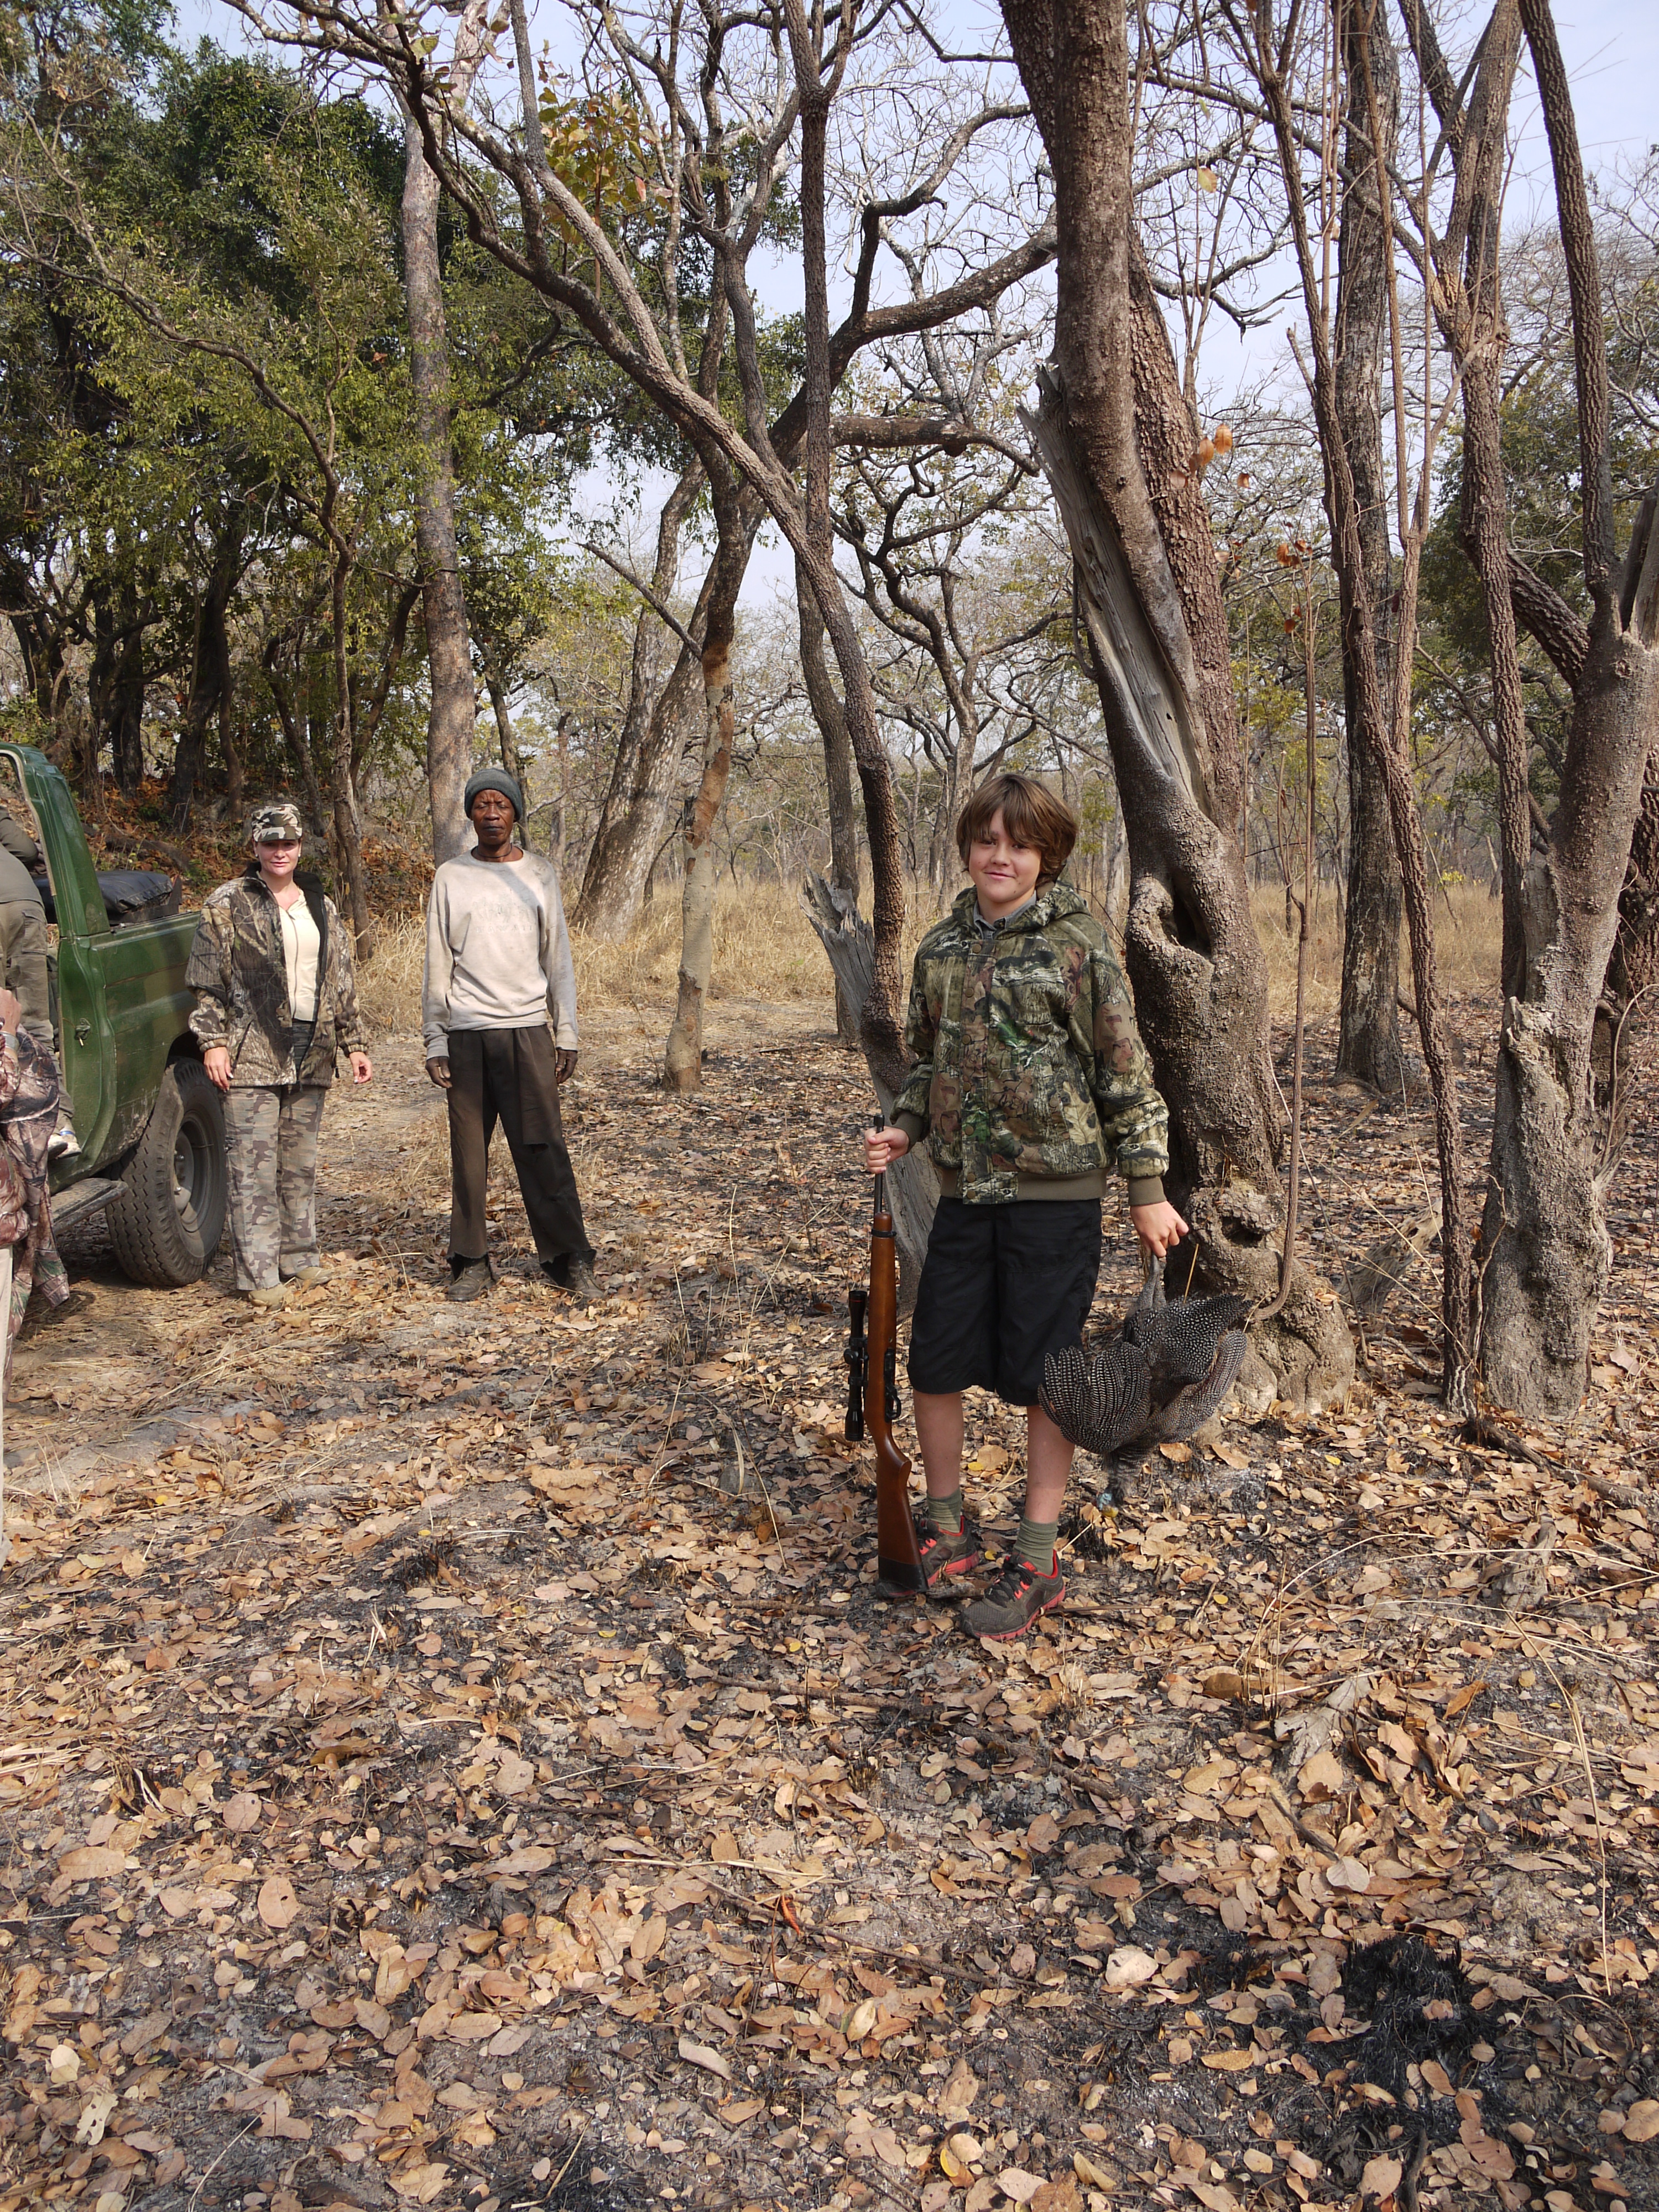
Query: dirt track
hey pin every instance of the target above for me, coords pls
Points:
(455, 1755)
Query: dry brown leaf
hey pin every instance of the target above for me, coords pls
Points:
(278, 1906)
(1381, 2177)
(1322, 1776)
(92, 1863)
(1128, 1968)
(419, 2185)
(1348, 1873)
(699, 2054)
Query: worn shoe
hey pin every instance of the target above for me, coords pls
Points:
(1018, 1596)
(276, 1295)
(574, 1277)
(945, 1557)
(307, 1276)
(471, 1281)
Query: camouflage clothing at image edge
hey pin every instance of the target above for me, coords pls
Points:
(1029, 1066)
(241, 980)
(271, 1147)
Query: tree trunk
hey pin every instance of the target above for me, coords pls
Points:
(347, 833)
(1390, 718)
(127, 728)
(1117, 440)
(1634, 967)
(831, 717)
(448, 645)
(297, 738)
(209, 671)
(230, 746)
(1545, 1242)
(1368, 1046)
(911, 1182)
(645, 770)
(683, 1058)
(511, 758)
(881, 1022)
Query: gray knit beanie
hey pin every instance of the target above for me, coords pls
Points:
(493, 779)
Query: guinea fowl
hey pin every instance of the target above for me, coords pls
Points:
(1157, 1380)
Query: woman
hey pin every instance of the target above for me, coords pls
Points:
(275, 1001)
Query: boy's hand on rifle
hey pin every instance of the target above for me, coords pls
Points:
(882, 1147)
(1158, 1227)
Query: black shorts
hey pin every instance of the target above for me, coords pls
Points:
(1001, 1288)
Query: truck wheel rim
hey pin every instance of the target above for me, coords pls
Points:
(189, 1170)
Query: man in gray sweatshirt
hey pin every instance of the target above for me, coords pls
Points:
(499, 1012)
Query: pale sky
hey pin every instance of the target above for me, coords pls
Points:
(1612, 50)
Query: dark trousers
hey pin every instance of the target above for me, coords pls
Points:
(508, 1076)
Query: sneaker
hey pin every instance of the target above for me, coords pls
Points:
(276, 1295)
(315, 1274)
(473, 1278)
(1018, 1596)
(945, 1556)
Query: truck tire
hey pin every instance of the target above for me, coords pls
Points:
(165, 1224)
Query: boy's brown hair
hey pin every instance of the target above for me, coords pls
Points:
(1031, 815)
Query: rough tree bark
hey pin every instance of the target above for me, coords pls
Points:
(1545, 1242)
(115, 687)
(827, 712)
(1368, 1044)
(655, 722)
(912, 1183)
(618, 315)
(501, 707)
(1270, 51)
(736, 519)
(1634, 967)
(210, 670)
(449, 647)
(1117, 440)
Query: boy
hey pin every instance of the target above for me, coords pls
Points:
(1032, 1085)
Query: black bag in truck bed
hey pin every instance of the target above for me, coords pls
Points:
(130, 895)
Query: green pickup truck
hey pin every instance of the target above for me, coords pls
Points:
(150, 1126)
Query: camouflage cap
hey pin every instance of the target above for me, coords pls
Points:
(277, 820)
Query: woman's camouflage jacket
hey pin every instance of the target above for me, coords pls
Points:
(240, 976)
(1031, 1079)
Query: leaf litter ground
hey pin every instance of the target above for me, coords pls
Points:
(456, 1756)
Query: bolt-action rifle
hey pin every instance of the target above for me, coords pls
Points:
(872, 1400)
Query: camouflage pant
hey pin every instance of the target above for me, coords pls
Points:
(271, 1149)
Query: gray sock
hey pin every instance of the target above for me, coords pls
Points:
(1034, 1543)
(944, 1514)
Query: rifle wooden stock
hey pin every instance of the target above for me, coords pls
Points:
(898, 1561)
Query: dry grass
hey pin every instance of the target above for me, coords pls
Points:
(1468, 927)
(765, 949)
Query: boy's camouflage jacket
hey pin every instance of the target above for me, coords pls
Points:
(239, 977)
(1031, 1079)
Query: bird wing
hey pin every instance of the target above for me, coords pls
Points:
(1180, 1338)
(1098, 1402)
(1185, 1414)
